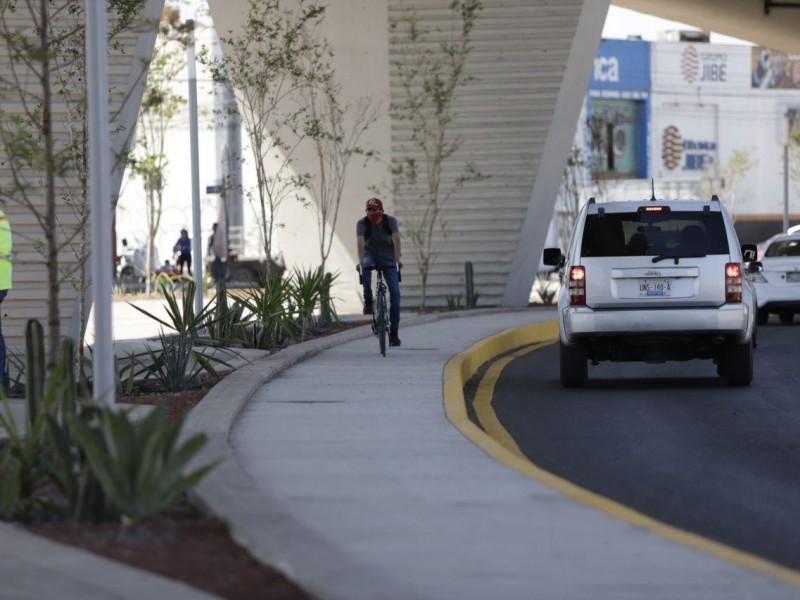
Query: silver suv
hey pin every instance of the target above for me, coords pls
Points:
(653, 281)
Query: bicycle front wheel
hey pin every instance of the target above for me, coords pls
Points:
(381, 319)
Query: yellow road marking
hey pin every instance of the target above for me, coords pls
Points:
(482, 404)
(498, 444)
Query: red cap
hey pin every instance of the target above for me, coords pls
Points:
(375, 203)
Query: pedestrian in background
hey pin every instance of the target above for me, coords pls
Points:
(218, 264)
(183, 248)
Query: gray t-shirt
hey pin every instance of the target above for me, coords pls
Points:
(378, 242)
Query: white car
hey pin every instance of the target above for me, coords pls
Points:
(654, 281)
(778, 282)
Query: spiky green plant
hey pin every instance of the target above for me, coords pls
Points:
(140, 466)
(271, 314)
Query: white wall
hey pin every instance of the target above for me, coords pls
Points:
(728, 111)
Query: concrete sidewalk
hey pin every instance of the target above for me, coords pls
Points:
(344, 472)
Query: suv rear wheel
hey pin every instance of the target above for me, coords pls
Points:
(574, 365)
(738, 364)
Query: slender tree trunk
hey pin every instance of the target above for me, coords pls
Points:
(53, 317)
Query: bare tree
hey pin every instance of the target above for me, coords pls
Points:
(160, 105)
(429, 76)
(335, 130)
(723, 179)
(794, 156)
(570, 194)
(46, 151)
(265, 63)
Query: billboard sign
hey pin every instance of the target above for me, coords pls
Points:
(621, 70)
(773, 69)
(684, 65)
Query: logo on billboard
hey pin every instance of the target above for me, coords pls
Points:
(606, 68)
(671, 147)
(704, 67)
(684, 153)
(690, 64)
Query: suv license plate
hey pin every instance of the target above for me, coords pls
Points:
(793, 277)
(655, 287)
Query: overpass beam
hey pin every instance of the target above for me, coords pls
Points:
(554, 155)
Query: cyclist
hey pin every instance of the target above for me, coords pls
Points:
(378, 237)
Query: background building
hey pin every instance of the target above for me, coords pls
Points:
(697, 118)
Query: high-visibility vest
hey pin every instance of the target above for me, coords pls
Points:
(5, 252)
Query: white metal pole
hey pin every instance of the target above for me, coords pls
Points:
(786, 186)
(197, 244)
(100, 189)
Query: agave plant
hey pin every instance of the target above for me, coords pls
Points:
(271, 314)
(179, 363)
(181, 312)
(229, 323)
(140, 466)
(42, 448)
(306, 294)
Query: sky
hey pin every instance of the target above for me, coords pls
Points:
(622, 22)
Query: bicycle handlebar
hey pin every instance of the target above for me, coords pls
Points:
(360, 270)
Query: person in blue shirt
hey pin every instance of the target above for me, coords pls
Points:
(183, 248)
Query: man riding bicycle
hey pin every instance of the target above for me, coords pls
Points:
(378, 237)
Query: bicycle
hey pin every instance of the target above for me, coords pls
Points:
(380, 314)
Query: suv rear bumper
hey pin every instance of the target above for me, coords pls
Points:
(583, 322)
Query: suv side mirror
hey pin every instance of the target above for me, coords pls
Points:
(552, 257)
(755, 266)
(749, 252)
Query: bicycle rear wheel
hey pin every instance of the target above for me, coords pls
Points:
(381, 321)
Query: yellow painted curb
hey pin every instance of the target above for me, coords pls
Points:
(500, 446)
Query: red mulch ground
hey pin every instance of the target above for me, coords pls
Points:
(183, 544)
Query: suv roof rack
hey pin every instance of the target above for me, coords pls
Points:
(714, 198)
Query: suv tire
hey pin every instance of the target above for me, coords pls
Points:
(786, 317)
(762, 316)
(574, 365)
(738, 364)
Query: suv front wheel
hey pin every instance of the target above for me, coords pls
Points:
(574, 365)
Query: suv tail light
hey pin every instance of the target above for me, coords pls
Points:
(577, 286)
(733, 282)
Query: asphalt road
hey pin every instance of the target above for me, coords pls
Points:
(672, 441)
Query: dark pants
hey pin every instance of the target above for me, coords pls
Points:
(185, 258)
(3, 374)
(219, 269)
(392, 283)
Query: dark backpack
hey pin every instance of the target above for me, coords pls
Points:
(368, 227)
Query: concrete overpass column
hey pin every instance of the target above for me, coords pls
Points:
(554, 154)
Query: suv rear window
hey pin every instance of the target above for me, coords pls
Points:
(678, 233)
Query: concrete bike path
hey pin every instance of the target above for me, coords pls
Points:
(343, 471)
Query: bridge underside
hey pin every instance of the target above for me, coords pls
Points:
(743, 19)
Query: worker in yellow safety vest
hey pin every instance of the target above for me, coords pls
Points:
(5, 285)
